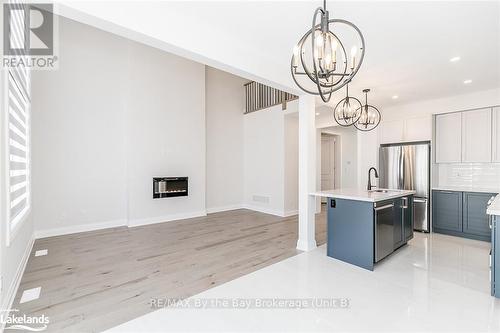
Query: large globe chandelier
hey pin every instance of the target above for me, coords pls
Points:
(320, 63)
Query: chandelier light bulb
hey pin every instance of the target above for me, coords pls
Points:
(354, 51)
(295, 56)
(320, 46)
(334, 45)
(328, 61)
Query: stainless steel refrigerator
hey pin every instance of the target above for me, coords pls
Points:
(406, 166)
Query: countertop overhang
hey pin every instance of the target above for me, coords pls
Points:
(363, 195)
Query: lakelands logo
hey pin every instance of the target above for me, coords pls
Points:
(29, 35)
(11, 321)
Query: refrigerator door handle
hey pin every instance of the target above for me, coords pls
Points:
(401, 184)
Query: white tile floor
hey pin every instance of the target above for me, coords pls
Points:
(436, 283)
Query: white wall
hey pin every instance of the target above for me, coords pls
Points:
(165, 133)
(291, 164)
(78, 132)
(13, 257)
(264, 160)
(224, 138)
(367, 156)
(348, 155)
(113, 116)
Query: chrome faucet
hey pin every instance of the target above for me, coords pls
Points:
(369, 187)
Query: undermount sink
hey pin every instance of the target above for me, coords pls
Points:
(380, 191)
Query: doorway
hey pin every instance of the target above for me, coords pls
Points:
(327, 162)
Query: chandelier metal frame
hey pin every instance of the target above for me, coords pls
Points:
(346, 103)
(326, 80)
(366, 109)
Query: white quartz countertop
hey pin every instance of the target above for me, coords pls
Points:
(363, 195)
(494, 208)
(466, 189)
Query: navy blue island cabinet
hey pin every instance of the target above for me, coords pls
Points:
(363, 232)
(495, 256)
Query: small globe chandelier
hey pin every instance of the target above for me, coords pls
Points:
(370, 116)
(325, 62)
(348, 110)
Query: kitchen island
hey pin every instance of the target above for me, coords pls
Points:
(493, 211)
(365, 226)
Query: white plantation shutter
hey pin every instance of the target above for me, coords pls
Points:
(18, 132)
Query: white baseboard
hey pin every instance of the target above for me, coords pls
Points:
(224, 208)
(12, 291)
(79, 228)
(153, 220)
(265, 210)
(291, 213)
(166, 218)
(306, 245)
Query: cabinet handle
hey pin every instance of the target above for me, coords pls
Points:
(405, 203)
(420, 200)
(384, 207)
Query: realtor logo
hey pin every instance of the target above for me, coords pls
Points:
(29, 35)
(36, 30)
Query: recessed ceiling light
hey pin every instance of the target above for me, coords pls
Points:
(455, 59)
(467, 81)
(395, 97)
(317, 113)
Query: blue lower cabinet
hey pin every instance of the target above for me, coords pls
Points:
(447, 211)
(475, 220)
(350, 232)
(461, 214)
(495, 257)
(363, 233)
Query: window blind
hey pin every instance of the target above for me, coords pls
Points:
(18, 96)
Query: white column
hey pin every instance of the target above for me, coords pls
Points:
(307, 172)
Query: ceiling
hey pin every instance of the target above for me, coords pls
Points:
(409, 44)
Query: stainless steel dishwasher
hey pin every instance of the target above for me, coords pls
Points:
(384, 229)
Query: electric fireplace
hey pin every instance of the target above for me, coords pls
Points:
(166, 187)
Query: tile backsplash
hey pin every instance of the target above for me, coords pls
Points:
(470, 175)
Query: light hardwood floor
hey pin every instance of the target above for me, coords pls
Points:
(96, 280)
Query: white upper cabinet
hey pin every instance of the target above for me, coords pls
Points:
(476, 136)
(418, 129)
(411, 129)
(391, 131)
(496, 135)
(449, 138)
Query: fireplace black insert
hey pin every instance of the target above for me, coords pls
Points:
(166, 187)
